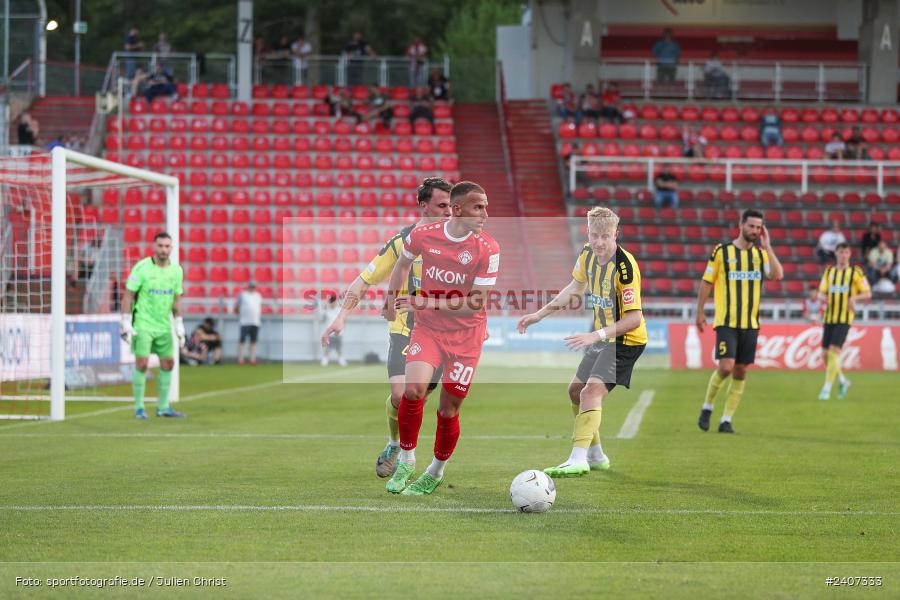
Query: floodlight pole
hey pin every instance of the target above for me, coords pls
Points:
(77, 48)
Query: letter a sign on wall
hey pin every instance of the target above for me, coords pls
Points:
(587, 34)
(886, 38)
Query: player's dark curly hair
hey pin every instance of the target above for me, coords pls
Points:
(750, 213)
(427, 187)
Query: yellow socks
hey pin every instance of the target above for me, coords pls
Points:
(586, 425)
(595, 440)
(712, 390)
(735, 391)
(833, 368)
(392, 420)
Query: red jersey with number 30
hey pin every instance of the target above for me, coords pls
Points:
(450, 267)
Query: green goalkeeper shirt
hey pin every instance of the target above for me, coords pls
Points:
(155, 289)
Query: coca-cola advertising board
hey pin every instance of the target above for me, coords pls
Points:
(796, 346)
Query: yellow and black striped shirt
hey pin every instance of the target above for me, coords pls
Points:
(737, 277)
(838, 285)
(614, 288)
(380, 268)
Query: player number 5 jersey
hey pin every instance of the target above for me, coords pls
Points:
(737, 277)
(450, 267)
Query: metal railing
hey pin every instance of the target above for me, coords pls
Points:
(739, 80)
(797, 171)
(386, 71)
(390, 71)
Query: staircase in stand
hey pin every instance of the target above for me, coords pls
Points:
(60, 115)
(479, 143)
(534, 159)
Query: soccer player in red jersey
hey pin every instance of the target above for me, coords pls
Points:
(459, 268)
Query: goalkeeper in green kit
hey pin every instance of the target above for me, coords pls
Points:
(153, 291)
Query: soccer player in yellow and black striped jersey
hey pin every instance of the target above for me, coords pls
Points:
(735, 274)
(842, 286)
(433, 196)
(611, 276)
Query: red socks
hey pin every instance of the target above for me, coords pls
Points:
(409, 417)
(446, 437)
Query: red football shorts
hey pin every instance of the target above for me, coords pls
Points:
(458, 351)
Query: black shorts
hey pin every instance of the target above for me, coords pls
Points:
(610, 363)
(835, 334)
(739, 344)
(397, 360)
(250, 332)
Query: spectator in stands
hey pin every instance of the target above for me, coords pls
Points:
(355, 50)
(609, 104)
(666, 189)
(870, 239)
(828, 241)
(438, 86)
(589, 104)
(715, 78)
(880, 263)
(770, 129)
(301, 49)
(260, 48)
(59, 141)
(209, 339)
(855, 147)
(667, 53)
(163, 50)
(568, 151)
(132, 43)
(835, 148)
(812, 305)
(249, 310)
(692, 142)
(379, 108)
(417, 53)
(159, 83)
(567, 105)
(340, 104)
(27, 130)
(421, 105)
(281, 49)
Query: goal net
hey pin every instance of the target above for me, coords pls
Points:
(71, 228)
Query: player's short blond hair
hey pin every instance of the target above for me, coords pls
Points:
(602, 218)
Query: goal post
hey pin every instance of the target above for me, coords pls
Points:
(41, 266)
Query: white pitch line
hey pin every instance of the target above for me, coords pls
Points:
(431, 509)
(635, 415)
(261, 436)
(200, 396)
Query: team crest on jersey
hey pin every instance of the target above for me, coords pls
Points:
(415, 349)
(465, 257)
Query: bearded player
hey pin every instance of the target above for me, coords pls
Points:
(153, 293)
(433, 196)
(460, 264)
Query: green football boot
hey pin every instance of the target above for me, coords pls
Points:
(843, 388)
(599, 465)
(401, 477)
(387, 461)
(422, 486)
(568, 470)
(823, 395)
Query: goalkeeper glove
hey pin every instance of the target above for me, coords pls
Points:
(128, 331)
(179, 331)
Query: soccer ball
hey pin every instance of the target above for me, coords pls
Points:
(532, 492)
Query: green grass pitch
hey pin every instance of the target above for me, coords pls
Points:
(272, 487)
